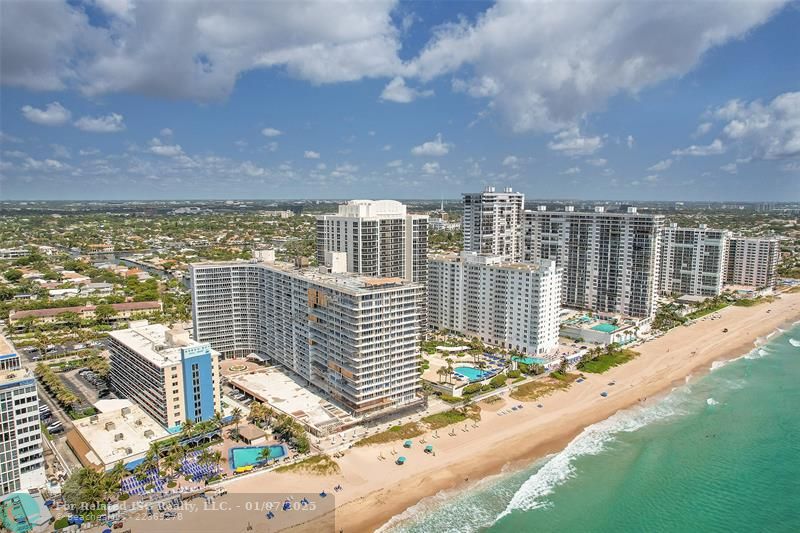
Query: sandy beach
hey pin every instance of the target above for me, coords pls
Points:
(375, 490)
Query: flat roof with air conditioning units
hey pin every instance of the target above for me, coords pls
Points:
(122, 434)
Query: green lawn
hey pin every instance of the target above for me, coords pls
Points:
(406, 431)
(706, 311)
(320, 465)
(606, 361)
(538, 388)
(453, 416)
(750, 302)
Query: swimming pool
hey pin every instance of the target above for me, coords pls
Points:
(605, 327)
(251, 455)
(472, 374)
(530, 360)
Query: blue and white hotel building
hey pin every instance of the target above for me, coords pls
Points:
(170, 376)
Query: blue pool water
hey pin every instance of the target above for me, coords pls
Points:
(251, 455)
(605, 328)
(530, 360)
(472, 374)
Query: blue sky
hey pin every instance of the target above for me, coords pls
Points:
(117, 99)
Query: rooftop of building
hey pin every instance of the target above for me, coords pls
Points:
(342, 281)
(370, 209)
(491, 260)
(490, 190)
(15, 374)
(598, 210)
(5, 346)
(119, 434)
(8, 354)
(156, 342)
(291, 395)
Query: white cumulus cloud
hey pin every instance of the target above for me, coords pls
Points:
(769, 131)
(547, 64)
(53, 114)
(107, 124)
(430, 168)
(572, 143)
(435, 148)
(397, 91)
(715, 148)
(194, 50)
(271, 132)
(166, 150)
(311, 154)
(661, 166)
(702, 129)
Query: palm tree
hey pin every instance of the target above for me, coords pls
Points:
(187, 427)
(113, 478)
(256, 412)
(236, 417)
(152, 460)
(216, 457)
(92, 485)
(442, 373)
(218, 418)
(264, 455)
(172, 462)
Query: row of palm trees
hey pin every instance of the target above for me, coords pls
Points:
(87, 485)
(57, 389)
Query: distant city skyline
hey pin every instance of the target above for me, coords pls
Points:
(632, 101)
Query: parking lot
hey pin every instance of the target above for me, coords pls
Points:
(33, 353)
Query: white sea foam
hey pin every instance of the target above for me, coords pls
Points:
(591, 441)
(795, 343)
(716, 365)
(711, 401)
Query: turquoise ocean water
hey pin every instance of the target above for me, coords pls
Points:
(721, 453)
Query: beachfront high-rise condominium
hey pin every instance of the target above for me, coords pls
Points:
(609, 261)
(753, 261)
(513, 305)
(170, 376)
(353, 337)
(492, 223)
(21, 455)
(693, 260)
(380, 238)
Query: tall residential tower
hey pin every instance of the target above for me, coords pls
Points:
(753, 261)
(379, 237)
(609, 261)
(21, 454)
(351, 336)
(513, 305)
(693, 260)
(492, 223)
